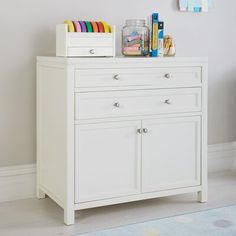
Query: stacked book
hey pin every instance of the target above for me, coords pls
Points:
(156, 36)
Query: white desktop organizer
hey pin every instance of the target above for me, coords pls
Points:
(76, 44)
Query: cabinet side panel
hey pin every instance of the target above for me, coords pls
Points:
(204, 165)
(52, 131)
(61, 40)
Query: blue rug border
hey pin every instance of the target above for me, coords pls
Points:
(168, 217)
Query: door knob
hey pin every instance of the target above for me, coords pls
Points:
(145, 130)
(139, 131)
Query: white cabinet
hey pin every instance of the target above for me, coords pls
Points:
(171, 153)
(115, 130)
(107, 160)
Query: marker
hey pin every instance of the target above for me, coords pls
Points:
(70, 24)
(94, 26)
(77, 26)
(83, 26)
(100, 27)
(106, 27)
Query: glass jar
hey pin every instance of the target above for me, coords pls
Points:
(135, 38)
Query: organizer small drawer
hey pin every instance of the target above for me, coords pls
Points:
(159, 77)
(90, 51)
(84, 44)
(90, 39)
(128, 103)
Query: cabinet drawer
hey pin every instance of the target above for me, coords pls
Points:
(159, 77)
(126, 103)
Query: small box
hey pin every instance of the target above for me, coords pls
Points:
(81, 44)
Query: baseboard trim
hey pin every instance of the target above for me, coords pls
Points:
(19, 182)
(222, 157)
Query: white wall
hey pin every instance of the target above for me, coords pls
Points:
(27, 29)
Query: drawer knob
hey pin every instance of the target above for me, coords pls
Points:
(167, 76)
(117, 104)
(145, 130)
(167, 101)
(139, 131)
(92, 51)
(116, 77)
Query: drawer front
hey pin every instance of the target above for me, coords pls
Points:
(90, 51)
(162, 77)
(90, 40)
(127, 103)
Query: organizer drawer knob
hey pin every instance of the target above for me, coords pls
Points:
(92, 51)
(117, 104)
(167, 76)
(116, 77)
(167, 101)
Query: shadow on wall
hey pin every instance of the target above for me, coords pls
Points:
(231, 104)
(175, 5)
(222, 108)
(44, 42)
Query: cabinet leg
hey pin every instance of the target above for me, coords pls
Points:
(40, 194)
(69, 217)
(202, 196)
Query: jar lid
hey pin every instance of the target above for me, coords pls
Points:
(135, 22)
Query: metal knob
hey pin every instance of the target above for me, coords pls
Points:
(117, 104)
(92, 51)
(139, 131)
(145, 130)
(116, 77)
(167, 101)
(167, 76)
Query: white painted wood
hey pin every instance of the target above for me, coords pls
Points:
(138, 117)
(202, 196)
(69, 211)
(111, 167)
(75, 44)
(88, 39)
(171, 153)
(89, 151)
(90, 51)
(52, 136)
(55, 142)
(160, 77)
(125, 62)
(32, 217)
(61, 40)
(133, 103)
(221, 157)
(137, 197)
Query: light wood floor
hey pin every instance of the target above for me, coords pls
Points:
(32, 217)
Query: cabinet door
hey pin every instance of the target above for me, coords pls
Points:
(171, 153)
(107, 160)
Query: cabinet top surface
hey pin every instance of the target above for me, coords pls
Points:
(67, 60)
